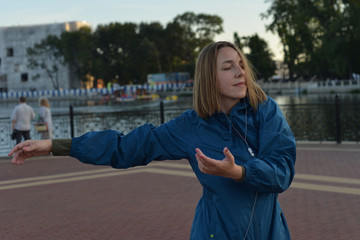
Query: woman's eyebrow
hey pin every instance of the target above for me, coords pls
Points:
(231, 61)
(228, 61)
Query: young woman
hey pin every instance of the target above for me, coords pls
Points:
(236, 140)
(45, 116)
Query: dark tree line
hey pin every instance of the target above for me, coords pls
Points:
(125, 53)
(319, 37)
(257, 51)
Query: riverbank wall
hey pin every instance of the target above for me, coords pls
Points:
(298, 87)
(301, 87)
(93, 92)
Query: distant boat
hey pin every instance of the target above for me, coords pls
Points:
(147, 97)
(125, 99)
(171, 98)
(137, 97)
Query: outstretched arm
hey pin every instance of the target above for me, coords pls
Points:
(30, 148)
(225, 168)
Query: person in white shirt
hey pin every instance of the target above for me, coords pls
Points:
(45, 116)
(21, 120)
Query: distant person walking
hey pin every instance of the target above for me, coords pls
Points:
(45, 116)
(21, 120)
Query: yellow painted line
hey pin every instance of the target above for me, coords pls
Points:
(70, 179)
(95, 174)
(113, 172)
(29, 179)
(327, 178)
(91, 174)
(297, 175)
(318, 187)
(325, 188)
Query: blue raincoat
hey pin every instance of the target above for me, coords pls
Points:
(227, 209)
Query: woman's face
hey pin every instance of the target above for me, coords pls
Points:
(231, 76)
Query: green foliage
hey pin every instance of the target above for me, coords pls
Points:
(259, 55)
(319, 37)
(126, 53)
(77, 50)
(198, 31)
(41, 53)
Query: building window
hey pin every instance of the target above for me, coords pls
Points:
(3, 83)
(0, 61)
(3, 79)
(24, 77)
(16, 67)
(10, 52)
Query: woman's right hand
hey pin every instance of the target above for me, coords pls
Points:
(30, 148)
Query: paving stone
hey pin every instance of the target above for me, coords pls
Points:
(78, 201)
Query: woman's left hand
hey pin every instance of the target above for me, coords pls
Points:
(225, 168)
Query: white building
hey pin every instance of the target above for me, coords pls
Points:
(15, 75)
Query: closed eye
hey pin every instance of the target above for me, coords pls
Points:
(227, 67)
(241, 65)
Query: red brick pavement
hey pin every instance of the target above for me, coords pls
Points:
(158, 201)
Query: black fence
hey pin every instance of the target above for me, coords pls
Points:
(334, 122)
(324, 122)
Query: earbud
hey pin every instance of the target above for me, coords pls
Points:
(251, 152)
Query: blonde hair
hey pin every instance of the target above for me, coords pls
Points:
(43, 101)
(206, 93)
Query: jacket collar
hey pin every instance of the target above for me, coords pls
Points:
(244, 103)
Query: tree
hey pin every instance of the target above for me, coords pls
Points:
(46, 56)
(284, 13)
(175, 47)
(153, 36)
(115, 47)
(77, 49)
(126, 53)
(199, 31)
(259, 54)
(319, 37)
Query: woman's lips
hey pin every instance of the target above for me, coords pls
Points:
(240, 84)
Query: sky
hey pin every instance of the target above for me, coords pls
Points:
(241, 16)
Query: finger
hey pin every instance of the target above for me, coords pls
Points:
(16, 159)
(228, 154)
(29, 147)
(198, 151)
(205, 161)
(13, 160)
(199, 155)
(202, 167)
(15, 149)
(18, 147)
(200, 159)
(19, 162)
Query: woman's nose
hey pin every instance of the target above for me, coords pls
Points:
(239, 71)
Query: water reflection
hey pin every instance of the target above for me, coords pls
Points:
(316, 98)
(61, 106)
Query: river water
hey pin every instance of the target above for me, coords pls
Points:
(61, 106)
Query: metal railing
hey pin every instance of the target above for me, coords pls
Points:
(334, 122)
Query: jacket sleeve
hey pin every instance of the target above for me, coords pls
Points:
(61, 147)
(138, 147)
(274, 167)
